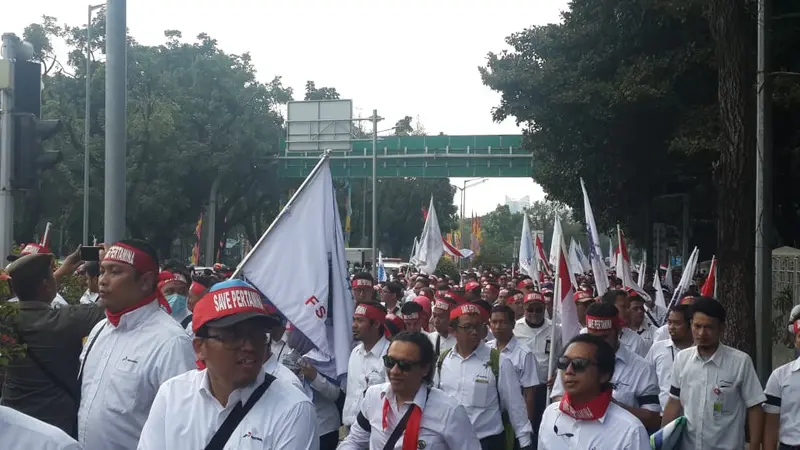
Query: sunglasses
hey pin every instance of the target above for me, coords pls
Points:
(535, 309)
(578, 364)
(404, 366)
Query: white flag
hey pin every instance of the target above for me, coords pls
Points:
(595, 254)
(526, 255)
(584, 260)
(642, 270)
(299, 264)
(660, 300)
(381, 268)
(414, 249)
(431, 247)
(558, 236)
(574, 260)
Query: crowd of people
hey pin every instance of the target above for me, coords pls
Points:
(158, 356)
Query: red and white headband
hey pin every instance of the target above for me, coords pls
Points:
(131, 256)
(369, 312)
(594, 323)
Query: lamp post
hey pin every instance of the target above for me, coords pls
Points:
(87, 129)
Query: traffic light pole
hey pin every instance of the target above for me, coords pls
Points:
(116, 97)
(10, 43)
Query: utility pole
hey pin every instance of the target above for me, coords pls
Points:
(375, 120)
(116, 97)
(763, 262)
(10, 43)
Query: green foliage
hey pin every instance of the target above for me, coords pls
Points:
(72, 287)
(447, 267)
(10, 347)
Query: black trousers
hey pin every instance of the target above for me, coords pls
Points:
(496, 442)
(329, 441)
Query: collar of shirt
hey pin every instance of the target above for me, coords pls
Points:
(796, 365)
(622, 354)
(481, 350)
(132, 319)
(376, 350)
(510, 347)
(34, 305)
(238, 395)
(419, 399)
(716, 358)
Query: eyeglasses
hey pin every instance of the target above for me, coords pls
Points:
(232, 339)
(404, 366)
(578, 364)
(473, 327)
(535, 309)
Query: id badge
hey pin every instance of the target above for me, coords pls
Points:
(717, 402)
(547, 347)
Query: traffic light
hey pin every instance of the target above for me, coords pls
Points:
(30, 157)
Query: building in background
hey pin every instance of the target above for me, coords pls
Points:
(518, 205)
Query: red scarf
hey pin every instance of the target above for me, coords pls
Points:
(114, 317)
(411, 435)
(592, 410)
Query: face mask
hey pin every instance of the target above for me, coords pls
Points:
(178, 304)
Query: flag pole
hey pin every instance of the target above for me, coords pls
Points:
(551, 364)
(314, 171)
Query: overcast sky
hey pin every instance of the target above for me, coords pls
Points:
(409, 57)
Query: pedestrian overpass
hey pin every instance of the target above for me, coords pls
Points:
(420, 156)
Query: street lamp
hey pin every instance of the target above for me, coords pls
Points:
(87, 123)
(467, 184)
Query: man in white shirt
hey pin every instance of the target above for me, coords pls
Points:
(662, 354)
(635, 382)
(442, 337)
(435, 420)
(174, 285)
(662, 333)
(637, 322)
(628, 338)
(365, 367)
(502, 323)
(91, 270)
(468, 374)
(782, 409)
(230, 326)
(715, 386)
(20, 431)
(587, 417)
(128, 356)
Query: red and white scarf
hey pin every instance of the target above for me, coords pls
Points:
(594, 409)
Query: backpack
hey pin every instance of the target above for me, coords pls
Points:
(494, 363)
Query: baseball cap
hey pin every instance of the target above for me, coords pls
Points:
(228, 303)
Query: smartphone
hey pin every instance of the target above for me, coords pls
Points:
(90, 253)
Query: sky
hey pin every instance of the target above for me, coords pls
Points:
(404, 58)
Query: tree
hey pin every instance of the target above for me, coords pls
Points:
(195, 114)
(324, 93)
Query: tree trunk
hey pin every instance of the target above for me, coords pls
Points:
(734, 175)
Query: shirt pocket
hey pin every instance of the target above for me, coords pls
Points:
(729, 397)
(429, 440)
(123, 388)
(478, 391)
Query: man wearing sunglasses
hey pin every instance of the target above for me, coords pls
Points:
(587, 417)
(406, 412)
(486, 384)
(232, 402)
(635, 382)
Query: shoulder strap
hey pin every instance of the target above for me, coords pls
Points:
(401, 426)
(86, 356)
(233, 420)
(438, 342)
(439, 363)
(494, 362)
(185, 321)
(650, 316)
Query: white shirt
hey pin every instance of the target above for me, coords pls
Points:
(186, 415)
(444, 425)
(538, 340)
(662, 356)
(658, 312)
(715, 394)
(324, 394)
(281, 372)
(444, 343)
(616, 430)
(89, 297)
(364, 369)
(522, 359)
(20, 432)
(661, 334)
(471, 382)
(646, 332)
(783, 398)
(635, 382)
(123, 372)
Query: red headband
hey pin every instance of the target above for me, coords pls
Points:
(197, 288)
(468, 309)
(442, 305)
(168, 277)
(33, 249)
(583, 295)
(534, 297)
(360, 283)
(370, 312)
(594, 323)
(125, 254)
(795, 327)
(688, 300)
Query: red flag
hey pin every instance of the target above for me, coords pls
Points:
(424, 214)
(708, 287)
